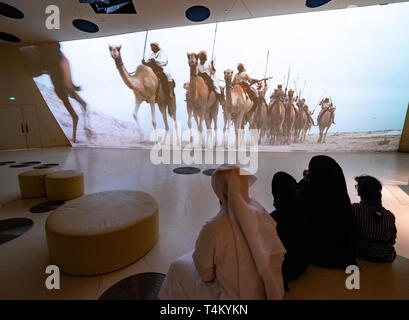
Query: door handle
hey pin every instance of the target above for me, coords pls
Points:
(22, 128)
(27, 128)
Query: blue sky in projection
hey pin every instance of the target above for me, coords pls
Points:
(358, 56)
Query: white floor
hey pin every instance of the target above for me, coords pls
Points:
(185, 203)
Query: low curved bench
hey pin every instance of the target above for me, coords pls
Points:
(384, 281)
(102, 232)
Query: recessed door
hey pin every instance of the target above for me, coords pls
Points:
(12, 131)
(31, 126)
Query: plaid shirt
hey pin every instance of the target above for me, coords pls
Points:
(376, 232)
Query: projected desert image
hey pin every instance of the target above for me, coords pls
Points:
(301, 86)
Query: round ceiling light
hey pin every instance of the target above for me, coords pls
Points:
(197, 13)
(9, 11)
(316, 3)
(9, 37)
(85, 25)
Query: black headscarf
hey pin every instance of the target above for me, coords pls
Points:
(329, 210)
(292, 228)
(327, 178)
(284, 190)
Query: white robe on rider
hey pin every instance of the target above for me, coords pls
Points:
(207, 68)
(161, 60)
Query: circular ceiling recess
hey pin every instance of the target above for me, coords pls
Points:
(9, 37)
(316, 3)
(208, 172)
(9, 11)
(85, 25)
(197, 13)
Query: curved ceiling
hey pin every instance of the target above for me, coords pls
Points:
(152, 14)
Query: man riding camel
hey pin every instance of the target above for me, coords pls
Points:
(300, 104)
(290, 98)
(326, 106)
(158, 61)
(242, 78)
(309, 113)
(278, 94)
(208, 72)
(261, 91)
(302, 107)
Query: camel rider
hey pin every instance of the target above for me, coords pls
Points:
(261, 91)
(208, 72)
(300, 104)
(309, 114)
(326, 106)
(290, 99)
(332, 110)
(245, 81)
(158, 61)
(302, 107)
(278, 93)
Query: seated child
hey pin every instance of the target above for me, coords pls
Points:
(375, 226)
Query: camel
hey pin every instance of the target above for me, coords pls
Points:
(146, 86)
(309, 124)
(49, 59)
(290, 114)
(324, 124)
(300, 122)
(276, 115)
(258, 120)
(235, 106)
(201, 102)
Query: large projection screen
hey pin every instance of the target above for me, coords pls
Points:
(354, 61)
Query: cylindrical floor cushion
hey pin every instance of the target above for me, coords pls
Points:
(32, 183)
(102, 232)
(64, 185)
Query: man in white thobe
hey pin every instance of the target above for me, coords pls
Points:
(159, 58)
(206, 67)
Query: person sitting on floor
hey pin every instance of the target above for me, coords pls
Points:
(328, 209)
(375, 225)
(292, 228)
(238, 254)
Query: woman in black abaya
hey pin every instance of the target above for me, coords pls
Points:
(292, 228)
(328, 209)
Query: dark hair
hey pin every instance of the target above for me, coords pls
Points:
(369, 189)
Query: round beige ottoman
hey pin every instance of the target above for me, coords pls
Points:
(64, 185)
(32, 183)
(102, 232)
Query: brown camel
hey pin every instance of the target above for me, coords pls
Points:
(201, 102)
(307, 128)
(276, 118)
(300, 122)
(236, 105)
(259, 119)
(49, 59)
(289, 117)
(324, 123)
(146, 86)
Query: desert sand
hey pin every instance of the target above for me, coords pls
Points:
(96, 129)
